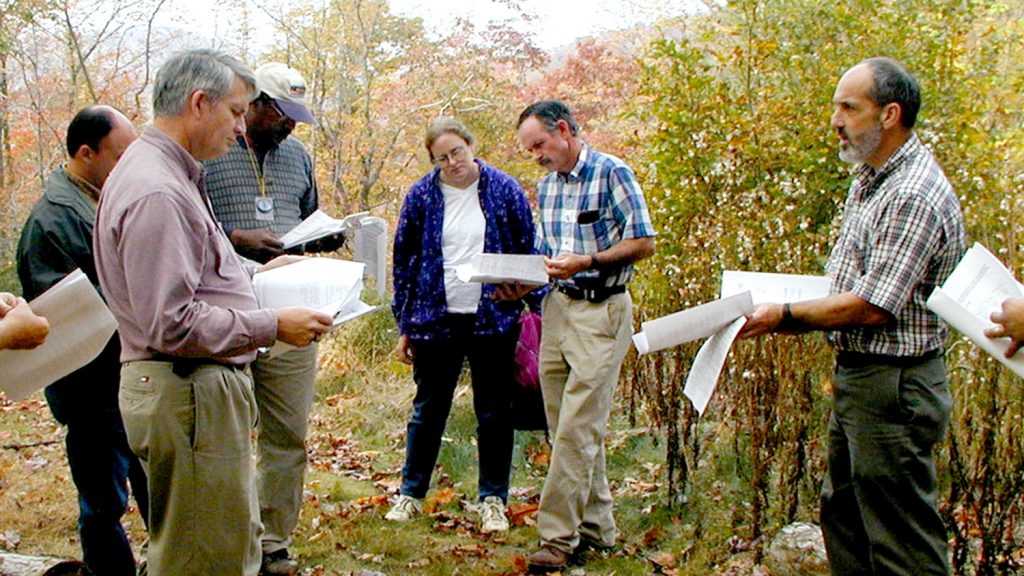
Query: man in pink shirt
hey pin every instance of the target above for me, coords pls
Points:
(189, 322)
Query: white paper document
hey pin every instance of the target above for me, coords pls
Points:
(80, 327)
(707, 365)
(691, 324)
(772, 287)
(319, 225)
(499, 268)
(721, 321)
(311, 282)
(325, 284)
(976, 289)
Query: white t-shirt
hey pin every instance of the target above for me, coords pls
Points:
(462, 237)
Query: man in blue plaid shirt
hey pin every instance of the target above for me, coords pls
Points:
(594, 226)
(902, 235)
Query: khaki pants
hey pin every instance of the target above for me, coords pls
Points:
(284, 393)
(193, 437)
(582, 348)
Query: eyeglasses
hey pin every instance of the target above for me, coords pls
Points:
(456, 154)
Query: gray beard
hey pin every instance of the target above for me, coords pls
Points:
(859, 152)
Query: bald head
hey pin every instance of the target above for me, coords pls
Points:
(97, 137)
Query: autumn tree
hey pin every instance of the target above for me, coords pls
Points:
(58, 57)
(377, 78)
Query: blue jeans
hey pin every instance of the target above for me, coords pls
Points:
(101, 465)
(437, 366)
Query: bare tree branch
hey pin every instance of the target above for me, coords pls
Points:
(148, 54)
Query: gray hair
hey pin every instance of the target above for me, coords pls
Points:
(189, 71)
(446, 125)
(549, 112)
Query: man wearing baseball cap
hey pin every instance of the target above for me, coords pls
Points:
(263, 187)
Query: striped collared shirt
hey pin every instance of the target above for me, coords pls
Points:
(902, 235)
(590, 209)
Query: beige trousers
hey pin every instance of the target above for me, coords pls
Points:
(582, 348)
(193, 435)
(284, 393)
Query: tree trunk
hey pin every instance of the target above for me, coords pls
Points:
(20, 565)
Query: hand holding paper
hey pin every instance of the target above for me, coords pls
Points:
(21, 329)
(723, 320)
(80, 327)
(298, 326)
(1009, 324)
(327, 289)
(975, 291)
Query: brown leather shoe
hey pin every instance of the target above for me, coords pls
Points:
(546, 560)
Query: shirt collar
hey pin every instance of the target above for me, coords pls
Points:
(581, 162)
(867, 176)
(192, 167)
(83, 185)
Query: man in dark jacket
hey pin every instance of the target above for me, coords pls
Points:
(56, 240)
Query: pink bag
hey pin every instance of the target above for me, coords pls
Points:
(527, 400)
(528, 351)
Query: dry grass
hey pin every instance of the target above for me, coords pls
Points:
(356, 445)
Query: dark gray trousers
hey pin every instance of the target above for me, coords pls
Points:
(879, 500)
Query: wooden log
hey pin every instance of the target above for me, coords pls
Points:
(22, 565)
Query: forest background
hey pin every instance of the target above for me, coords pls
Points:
(722, 111)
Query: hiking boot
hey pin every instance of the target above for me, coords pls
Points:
(492, 515)
(546, 560)
(404, 508)
(279, 564)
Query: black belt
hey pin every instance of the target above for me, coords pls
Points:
(848, 359)
(184, 367)
(595, 295)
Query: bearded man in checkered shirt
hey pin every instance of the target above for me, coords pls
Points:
(902, 235)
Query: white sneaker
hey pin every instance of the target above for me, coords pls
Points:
(404, 508)
(492, 515)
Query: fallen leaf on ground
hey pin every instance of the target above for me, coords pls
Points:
(522, 514)
(662, 560)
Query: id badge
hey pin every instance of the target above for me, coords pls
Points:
(265, 208)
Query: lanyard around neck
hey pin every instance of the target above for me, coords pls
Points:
(260, 181)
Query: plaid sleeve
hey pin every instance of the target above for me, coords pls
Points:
(628, 205)
(901, 250)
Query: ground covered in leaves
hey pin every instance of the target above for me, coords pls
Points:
(356, 446)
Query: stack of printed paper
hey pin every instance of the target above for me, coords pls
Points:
(977, 288)
(325, 284)
(500, 268)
